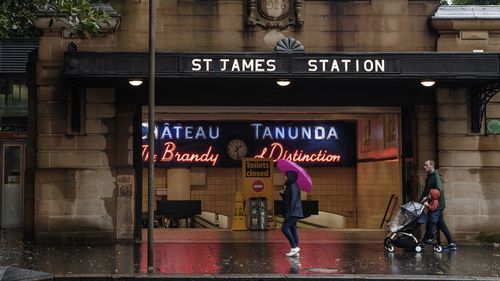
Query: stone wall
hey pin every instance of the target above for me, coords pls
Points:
(75, 187)
(329, 26)
(76, 193)
(470, 163)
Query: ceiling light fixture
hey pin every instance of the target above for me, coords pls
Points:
(427, 83)
(135, 82)
(283, 82)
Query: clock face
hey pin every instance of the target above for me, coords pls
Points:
(237, 149)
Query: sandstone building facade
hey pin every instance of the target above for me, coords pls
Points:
(86, 177)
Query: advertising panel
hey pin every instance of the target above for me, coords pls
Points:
(225, 143)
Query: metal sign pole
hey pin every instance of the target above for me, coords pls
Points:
(151, 130)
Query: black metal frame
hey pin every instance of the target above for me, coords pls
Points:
(479, 98)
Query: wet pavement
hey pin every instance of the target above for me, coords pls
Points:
(324, 253)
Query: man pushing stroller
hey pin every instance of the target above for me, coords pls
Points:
(411, 215)
(402, 226)
(433, 181)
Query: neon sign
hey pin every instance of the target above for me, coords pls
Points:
(177, 131)
(170, 154)
(278, 151)
(294, 132)
(213, 143)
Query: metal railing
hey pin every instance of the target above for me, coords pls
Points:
(393, 198)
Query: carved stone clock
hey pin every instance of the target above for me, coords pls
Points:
(275, 13)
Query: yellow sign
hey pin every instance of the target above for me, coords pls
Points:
(258, 178)
(239, 214)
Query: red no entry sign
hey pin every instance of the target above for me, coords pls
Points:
(258, 186)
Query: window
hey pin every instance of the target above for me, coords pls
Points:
(13, 95)
(75, 112)
(13, 105)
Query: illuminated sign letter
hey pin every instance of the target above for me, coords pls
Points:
(166, 132)
(332, 133)
(312, 65)
(335, 66)
(271, 64)
(319, 133)
(256, 125)
(224, 64)
(196, 65)
(346, 64)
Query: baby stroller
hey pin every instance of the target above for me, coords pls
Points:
(400, 229)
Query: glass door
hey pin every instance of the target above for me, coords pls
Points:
(12, 185)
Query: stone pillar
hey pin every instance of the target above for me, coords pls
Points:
(75, 184)
(470, 165)
(125, 174)
(178, 184)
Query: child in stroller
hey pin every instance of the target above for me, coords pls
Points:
(402, 226)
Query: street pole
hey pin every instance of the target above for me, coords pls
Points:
(151, 130)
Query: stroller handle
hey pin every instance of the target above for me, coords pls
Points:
(424, 199)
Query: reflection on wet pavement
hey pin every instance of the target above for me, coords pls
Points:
(316, 258)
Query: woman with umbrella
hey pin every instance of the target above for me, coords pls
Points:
(296, 179)
(292, 206)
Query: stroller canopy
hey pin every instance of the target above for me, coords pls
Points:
(413, 208)
(407, 213)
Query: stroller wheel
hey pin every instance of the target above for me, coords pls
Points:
(389, 248)
(418, 248)
(438, 249)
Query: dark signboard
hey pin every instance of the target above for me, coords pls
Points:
(321, 65)
(234, 64)
(224, 143)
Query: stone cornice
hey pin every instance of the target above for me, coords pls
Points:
(455, 25)
(466, 18)
(43, 19)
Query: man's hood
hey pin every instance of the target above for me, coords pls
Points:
(436, 171)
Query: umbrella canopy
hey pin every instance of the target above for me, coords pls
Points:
(304, 180)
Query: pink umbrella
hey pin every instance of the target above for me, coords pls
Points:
(304, 180)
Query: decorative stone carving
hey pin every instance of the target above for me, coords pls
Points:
(289, 46)
(125, 185)
(274, 13)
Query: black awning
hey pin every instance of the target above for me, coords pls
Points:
(394, 66)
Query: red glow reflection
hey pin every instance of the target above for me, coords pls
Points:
(194, 258)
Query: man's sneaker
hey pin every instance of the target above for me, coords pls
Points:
(451, 246)
(430, 242)
(293, 252)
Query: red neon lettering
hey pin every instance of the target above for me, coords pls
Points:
(277, 151)
(170, 154)
(145, 153)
